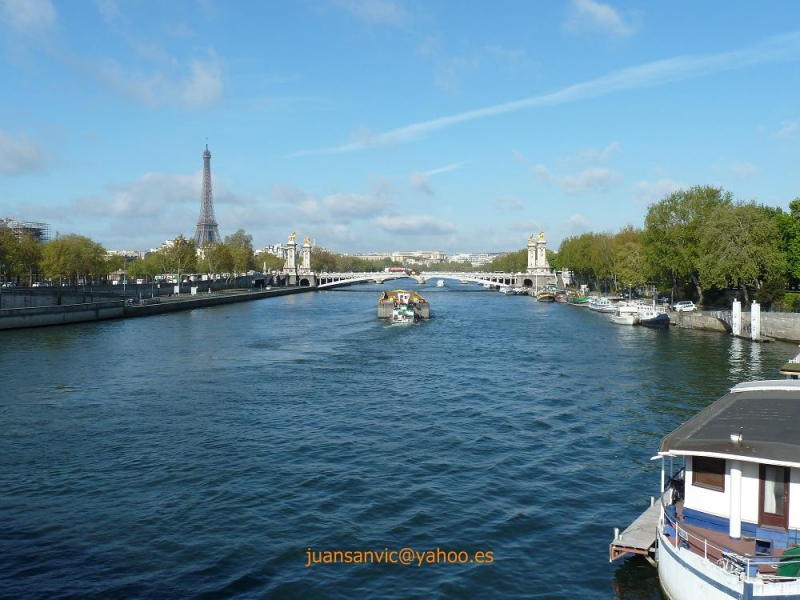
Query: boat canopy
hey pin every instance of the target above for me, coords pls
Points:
(754, 422)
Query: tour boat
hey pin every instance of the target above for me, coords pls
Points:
(727, 522)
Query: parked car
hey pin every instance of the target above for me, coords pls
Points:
(684, 306)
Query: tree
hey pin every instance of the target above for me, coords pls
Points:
(789, 230)
(629, 262)
(511, 262)
(73, 257)
(739, 247)
(673, 227)
(218, 258)
(180, 257)
(115, 263)
(241, 248)
(8, 248)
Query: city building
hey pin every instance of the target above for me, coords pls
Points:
(41, 231)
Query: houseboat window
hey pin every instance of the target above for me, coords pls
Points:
(708, 472)
(774, 492)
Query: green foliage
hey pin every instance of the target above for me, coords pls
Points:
(451, 267)
(789, 230)
(270, 262)
(739, 247)
(324, 260)
(673, 229)
(772, 294)
(512, 262)
(180, 257)
(241, 251)
(73, 257)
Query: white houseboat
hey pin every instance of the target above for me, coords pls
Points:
(728, 521)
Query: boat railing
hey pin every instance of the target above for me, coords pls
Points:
(742, 565)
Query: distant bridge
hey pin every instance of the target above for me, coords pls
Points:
(333, 280)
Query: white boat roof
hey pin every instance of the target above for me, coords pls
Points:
(766, 413)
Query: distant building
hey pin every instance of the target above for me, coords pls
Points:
(40, 231)
(278, 250)
(476, 259)
(129, 255)
(416, 257)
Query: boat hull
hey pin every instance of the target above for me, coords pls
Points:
(624, 319)
(684, 575)
(657, 321)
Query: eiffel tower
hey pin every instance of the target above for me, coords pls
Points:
(207, 231)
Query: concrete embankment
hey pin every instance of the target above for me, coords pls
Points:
(41, 308)
(696, 320)
(40, 316)
(774, 325)
(176, 303)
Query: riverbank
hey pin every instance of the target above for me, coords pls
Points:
(159, 305)
(41, 308)
(774, 325)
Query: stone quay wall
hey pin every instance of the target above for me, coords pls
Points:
(39, 316)
(774, 325)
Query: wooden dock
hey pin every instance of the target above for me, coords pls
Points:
(639, 537)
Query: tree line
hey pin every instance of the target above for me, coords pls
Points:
(75, 258)
(697, 242)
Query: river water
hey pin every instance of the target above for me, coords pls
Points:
(217, 453)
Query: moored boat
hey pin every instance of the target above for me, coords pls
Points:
(546, 296)
(625, 314)
(727, 524)
(602, 304)
(440, 283)
(578, 300)
(653, 316)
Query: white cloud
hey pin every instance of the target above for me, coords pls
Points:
(199, 85)
(447, 72)
(590, 16)
(787, 131)
(508, 204)
(109, 9)
(375, 12)
(779, 48)
(514, 59)
(744, 170)
(350, 206)
(414, 225)
(577, 224)
(647, 192)
(20, 155)
(143, 199)
(419, 181)
(594, 157)
(29, 17)
(595, 178)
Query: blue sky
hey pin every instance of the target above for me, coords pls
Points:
(381, 125)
